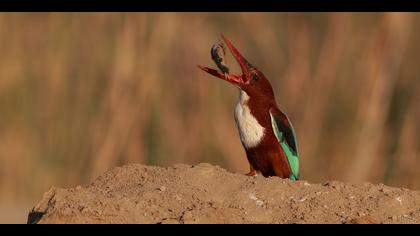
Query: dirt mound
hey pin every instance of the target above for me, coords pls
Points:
(209, 194)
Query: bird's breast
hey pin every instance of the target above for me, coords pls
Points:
(250, 130)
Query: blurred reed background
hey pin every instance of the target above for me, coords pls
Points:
(83, 92)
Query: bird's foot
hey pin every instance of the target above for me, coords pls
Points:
(252, 173)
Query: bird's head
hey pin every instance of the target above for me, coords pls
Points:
(252, 80)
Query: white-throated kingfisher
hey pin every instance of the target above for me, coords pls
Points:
(266, 133)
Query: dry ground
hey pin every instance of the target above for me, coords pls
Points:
(209, 194)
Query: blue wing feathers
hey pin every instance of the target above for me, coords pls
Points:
(286, 136)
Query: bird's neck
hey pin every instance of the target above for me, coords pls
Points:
(243, 97)
(250, 130)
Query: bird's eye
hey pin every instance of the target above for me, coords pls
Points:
(254, 76)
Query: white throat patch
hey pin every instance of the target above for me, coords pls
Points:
(250, 130)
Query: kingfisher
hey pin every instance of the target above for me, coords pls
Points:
(266, 133)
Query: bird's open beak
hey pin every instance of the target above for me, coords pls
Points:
(232, 78)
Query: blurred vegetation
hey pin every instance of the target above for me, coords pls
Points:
(83, 92)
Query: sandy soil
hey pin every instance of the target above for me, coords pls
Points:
(209, 194)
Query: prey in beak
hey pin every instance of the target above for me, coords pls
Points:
(218, 56)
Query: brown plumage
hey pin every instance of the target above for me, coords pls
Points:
(266, 133)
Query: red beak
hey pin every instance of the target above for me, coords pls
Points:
(243, 63)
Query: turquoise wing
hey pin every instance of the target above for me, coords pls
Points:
(285, 134)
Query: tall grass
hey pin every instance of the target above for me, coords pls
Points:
(83, 92)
